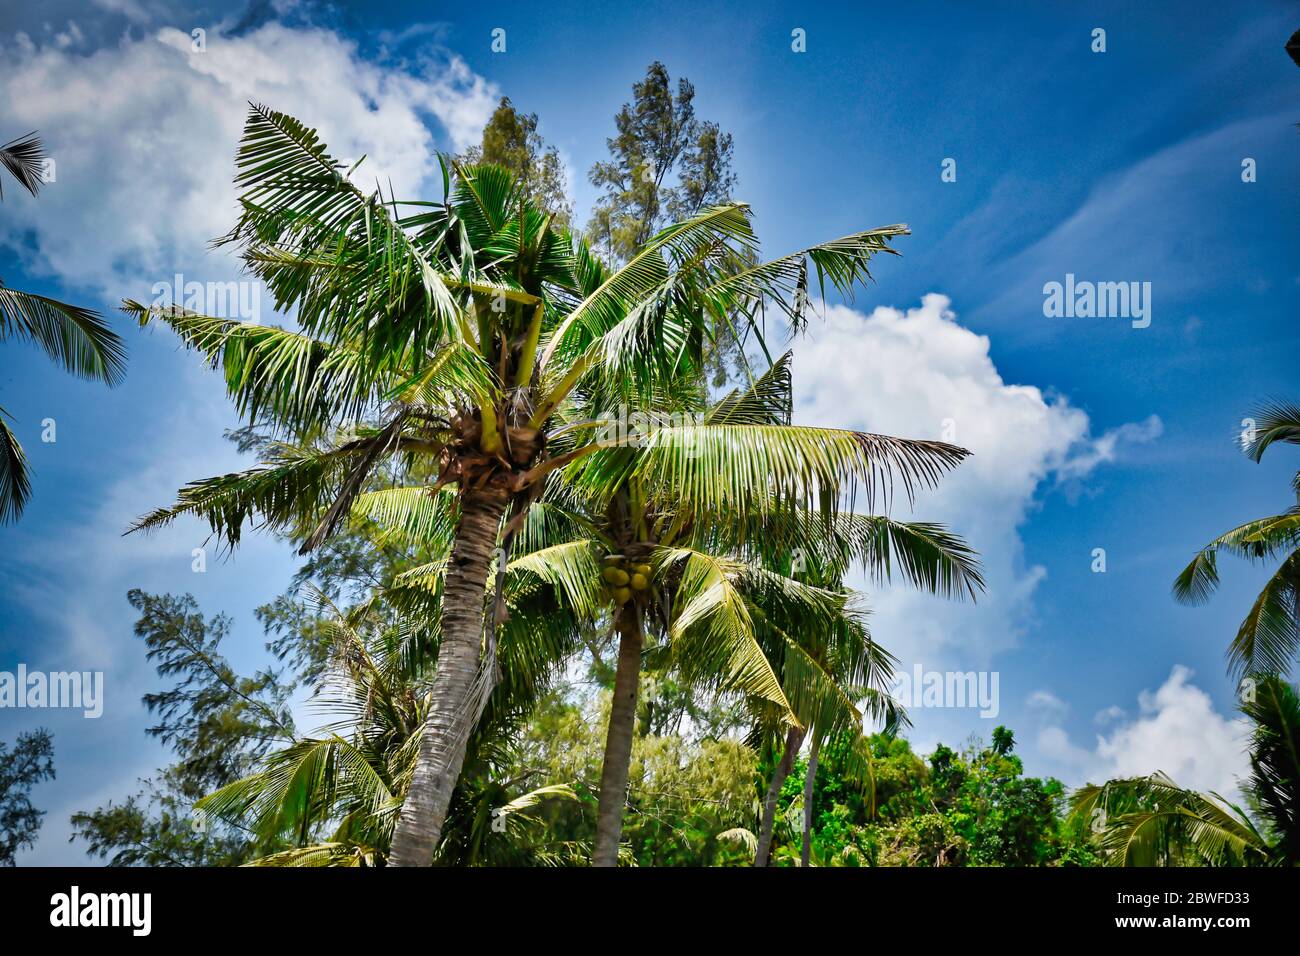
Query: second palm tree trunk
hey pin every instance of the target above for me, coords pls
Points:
(809, 784)
(793, 741)
(452, 707)
(618, 740)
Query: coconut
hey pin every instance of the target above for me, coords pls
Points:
(615, 576)
(639, 582)
(622, 595)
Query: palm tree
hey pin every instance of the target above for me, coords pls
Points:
(719, 599)
(1268, 638)
(1151, 821)
(456, 332)
(857, 669)
(77, 339)
(332, 799)
(631, 554)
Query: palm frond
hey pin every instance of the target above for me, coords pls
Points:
(843, 263)
(77, 339)
(1269, 637)
(1274, 421)
(22, 157)
(15, 483)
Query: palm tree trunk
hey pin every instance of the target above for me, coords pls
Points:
(793, 741)
(808, 782)
(618, 740)
(452, 705)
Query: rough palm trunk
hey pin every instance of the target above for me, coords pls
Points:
(809, 779)
(618, 740)
(452, 706)
(793, 741)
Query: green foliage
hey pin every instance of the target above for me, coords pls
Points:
(30, 762)
(470, 344)
(217, 723)
(665, 165)
(687, 792)
(158, 827)
(511, 140)
(1151, 821)
(969, 808)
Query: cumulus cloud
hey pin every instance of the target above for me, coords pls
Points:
(921, 374)
(1177, 730)
(143, 135)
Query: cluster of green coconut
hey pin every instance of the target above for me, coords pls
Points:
(624, 578)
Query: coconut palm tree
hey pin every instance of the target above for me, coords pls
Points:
(713, 589)
(77, 339)
(456, 331)
(1269, 637)
(1151, 821)
(705, 597)
(857, 668)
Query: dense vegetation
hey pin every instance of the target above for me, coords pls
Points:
(574, 588)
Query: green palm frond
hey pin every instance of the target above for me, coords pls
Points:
(573, 568)
(485, 197)
(1274, 785)
(650, 270)
(320, 854)
(15, 483)
(740, 467)
(77, 339)
(293, 379)
(711, 634)
(1256, 540)
(1274, 421)
(298, 787)
(1151, 821)
(380, 287)
(1269, 636)
(843, 263)
(413, 516)
(929, 556)
(287, 491)
(767, 401)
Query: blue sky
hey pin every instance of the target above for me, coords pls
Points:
(1088, 433)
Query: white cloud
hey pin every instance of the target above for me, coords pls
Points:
(143, 135)
(131, 9)
(922, 375)
(1109, 715)
(1047, 703)
(1106, 448)
(1177, 730)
